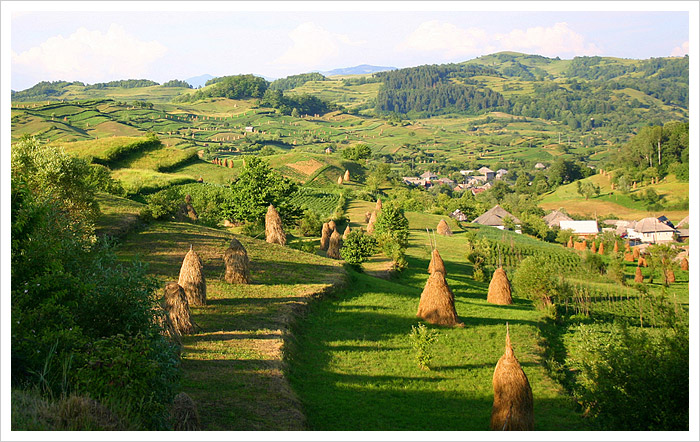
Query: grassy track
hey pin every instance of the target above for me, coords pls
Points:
(233, 366)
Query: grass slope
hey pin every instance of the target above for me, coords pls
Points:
(233, 365)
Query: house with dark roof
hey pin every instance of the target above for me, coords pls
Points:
(651, 230)
(495, 218)
(488, 173)
(429, 176)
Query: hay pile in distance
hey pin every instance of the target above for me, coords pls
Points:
(638, 275)
(512, 396)
(274, 233)
(437, 302)
(436, 263)
(331, 225)
(601, 249)
(635, 252)
(192, 279)
(499, 288)
(368, 215)
(325, 236)
(184, 413)
(370, 224)
(443, 228)
(670, 276)
(570, 244)
(340, 180)
(616, 247)
(684, 264)
(346, 233)
(346, 177)
(334, 245)
(378, 206)
(593, 249)
(177, 308)
(237, 263)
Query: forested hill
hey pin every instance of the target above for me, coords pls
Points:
(585, 92)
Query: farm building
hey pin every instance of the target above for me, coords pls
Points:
(555, 217)
(582, 229)
(495, 217)
(429, 176)
(540, 166)
(683, 223)
(651, 230)
(488, 173)
(500, 173)
(459, 215)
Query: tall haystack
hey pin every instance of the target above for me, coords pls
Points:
(642, 262)
(627, 246)
(436, 263)
(325, 236)
(499, 288)
(370, 224)
(437, 302)
(570, 244)
(601, 249)
(237, 263)
(184, 413)
(177, 308)
(340, 180)
(378, 206)
(331, 225)
(684, 264)
(274, 233)
(192, 279)
(346, 177)
(346, 233)
(584, 245)
(638, 277)
(629, 257)
(334, 245)
(616, 247)
(670, 276)
(512, 396)
(368, 215)
(443, 228)
(593, 249)
(635, 252)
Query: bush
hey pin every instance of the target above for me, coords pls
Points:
(422, 338)
(535, 279)
(357, 247)
(310, 224)
(391, 231)
(594, 263)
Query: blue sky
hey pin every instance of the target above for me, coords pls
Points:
(181, 40)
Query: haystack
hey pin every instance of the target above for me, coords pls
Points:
(670, 276)
(177, 308)
(436, 263)
(635, 252)
(346, 177)
(340, 180)
(331, 225)
(593, 248)
(570, 244)
(192, 279)
(274, 233)
(368, 215)
(642, 262)
(437, 302)
(334, 245)
(629, 257)
(638, 277)
(378, 206)
(237, 263)
(499, 289)
(512, 396)
(601, 249)
(346, 233)
(684, 264)
(443, 228)
(184, 413)
(627, 246)
(616, 247)
(325, 236)
(370, 224)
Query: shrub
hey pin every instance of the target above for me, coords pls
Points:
(594, 263)
(310, 224)
(422, 338)
(535, 278)
(357, 247)
(391, 231)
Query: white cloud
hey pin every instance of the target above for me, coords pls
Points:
(680, 51)
(313, 44)
(452, 41)
(90, 56)
(552, 41)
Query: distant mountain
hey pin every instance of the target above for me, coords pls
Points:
(361, 69)
(199, 81)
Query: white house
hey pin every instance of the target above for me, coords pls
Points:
(651, 230)
(429, 176)
(581, 228)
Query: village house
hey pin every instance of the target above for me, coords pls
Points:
(488, 173)
(555, 217)
(495, 218)
(429, 176)
(582, 229)
(540, 166)
(651, 230)
(500, 173)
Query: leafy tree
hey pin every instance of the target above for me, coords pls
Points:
(535, 278)
(357, 152)
(391, 231)
(357, 247)
(587, 189)
(258, 186)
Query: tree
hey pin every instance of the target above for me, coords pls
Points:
(357, 247)
(391, 231)
(256, 188)
(587, 189)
